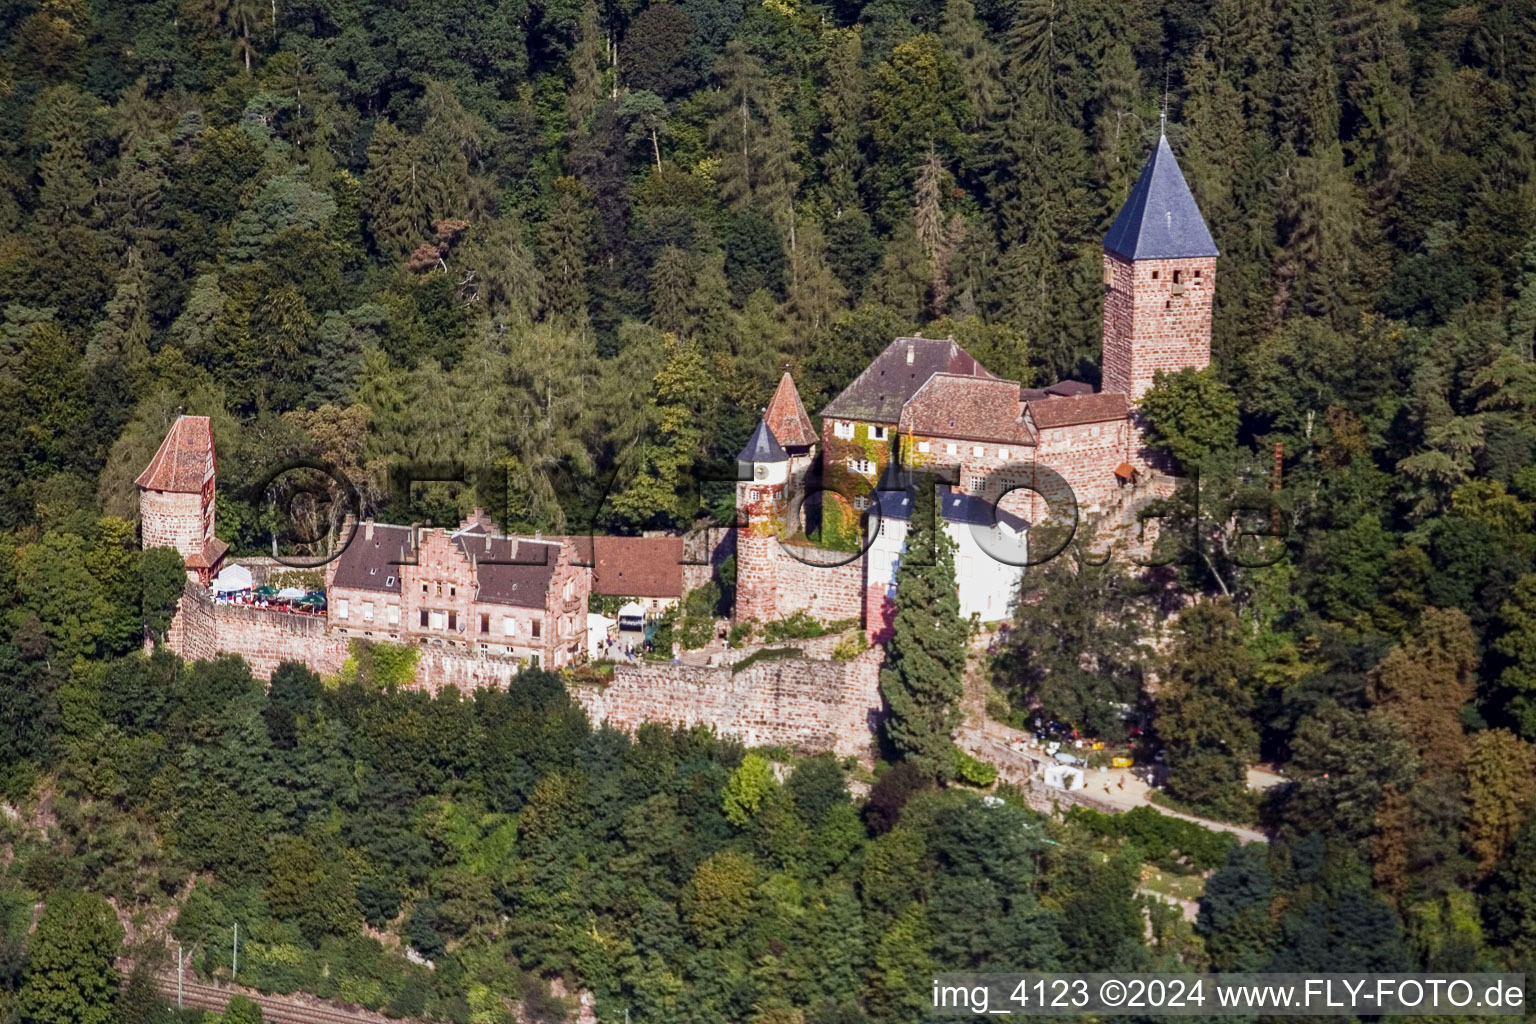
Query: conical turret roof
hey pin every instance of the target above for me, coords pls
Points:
(762, 446)
(786, 415)
(1160, 220)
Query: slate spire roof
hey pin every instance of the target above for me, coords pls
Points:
(787, 418)
(762, 446)
(1160, 220)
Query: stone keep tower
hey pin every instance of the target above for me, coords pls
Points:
(1159, 278)
(762, 499)
(176, 498)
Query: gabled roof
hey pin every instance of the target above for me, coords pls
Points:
(185, 459)
(877, 394)
(762, 446)
(787, 418)
(213, 551)
(1064, 411)
(970, 408)
(633, 566)
(374, 563)
(1160, 220)
(509, 570)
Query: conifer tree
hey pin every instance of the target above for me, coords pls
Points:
(671, 283)
(123, 337)
(65, 192)
(815, 293)
(923, 677)
(1203, 710)
(396, 194)
(981, 65)
(843, 98)
(587, 59)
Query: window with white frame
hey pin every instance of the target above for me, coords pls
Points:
(924, 447)
(861, 503)
(392, 615)
(341, 607)
(435, 620)
(1002, 453)
(863, 466)
(842, 428)
(367, 611)
(877, 433)
(950, 449)
(978, 451)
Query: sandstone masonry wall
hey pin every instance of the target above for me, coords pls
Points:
(808, 704)
(169, 519)
(1153, 323)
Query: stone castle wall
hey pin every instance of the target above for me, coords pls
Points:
(811, 705)
(264, 637)
(704, 551)
(805, 702)
(775, 580)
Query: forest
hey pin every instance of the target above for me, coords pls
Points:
(572, 245)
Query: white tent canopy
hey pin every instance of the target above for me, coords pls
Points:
(233, 579)
(631, 616)
(597, 633)
(288, 592)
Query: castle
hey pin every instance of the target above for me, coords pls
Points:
(477, 606)
(1005, 451)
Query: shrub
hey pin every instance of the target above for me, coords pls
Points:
(973, 771)
(767, 654)
(850, 646)
(1173, 844)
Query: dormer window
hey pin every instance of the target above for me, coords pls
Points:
(909, 355)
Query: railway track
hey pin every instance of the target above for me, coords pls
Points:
(278, 1009)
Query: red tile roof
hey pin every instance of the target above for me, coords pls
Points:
(787, 417)
(213, 552)
(971, 408)
(633, 566)
(1061, 411)
(185, 460)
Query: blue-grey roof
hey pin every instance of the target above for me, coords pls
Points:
(1160, 220)
(762, 446)
(954, 506)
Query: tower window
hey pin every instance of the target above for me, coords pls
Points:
(1176, 277)
(1154, 275)
(1197, 275)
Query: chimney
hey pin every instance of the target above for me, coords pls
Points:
(368, 529)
